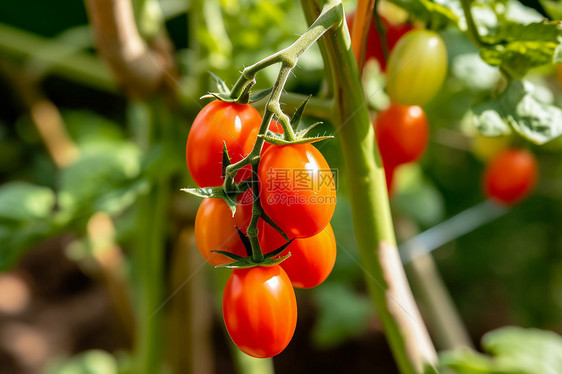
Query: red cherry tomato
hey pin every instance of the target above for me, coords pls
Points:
(273, 126)
(214, 230)
(511, 175)
(312, 259)
(260, 310)
(374, 47)
(297, 189)
(217, 122)
(402, 134)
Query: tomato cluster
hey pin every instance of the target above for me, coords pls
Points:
(297, 192)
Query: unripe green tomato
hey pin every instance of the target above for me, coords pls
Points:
(417, 67)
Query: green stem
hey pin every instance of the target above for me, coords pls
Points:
(404, 328)
(472, 29)
(316, 107)
(149, 253)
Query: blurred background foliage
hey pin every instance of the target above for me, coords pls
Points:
(507, 272)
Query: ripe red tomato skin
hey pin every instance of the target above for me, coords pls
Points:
(217, 122)
(312, 259)
(260, 310)
(299, 211)
(510, 176)
(374, 47)
(402, 134)
(214, 230)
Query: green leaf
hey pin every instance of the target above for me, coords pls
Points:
(517, 47)
(21, 201)
(429, 12)
(514, 351)
(531, 350)
(101, 169)
(520, 108)
(343, 314)
(553, 8)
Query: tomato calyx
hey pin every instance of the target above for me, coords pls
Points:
(225, 94)
(241, 262)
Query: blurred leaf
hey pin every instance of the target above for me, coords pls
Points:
(553, 8)
(515, 351)
(21, 201)
(416, 197)
(516, 47)
(89, 362)
(343, 314)
(520, 108)
(429, 12)
(100, 169)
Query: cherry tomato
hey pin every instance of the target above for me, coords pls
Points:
(214, 230)
(417, 67)
(312, 259)
(297, 189)
(217, 122)
(260, 310)
(511, 175)
(273, 126)
(402, 134)
(374, 47)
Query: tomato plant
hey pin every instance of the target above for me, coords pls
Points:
(374, 47)
(274, 126)
(511, 175)
(298, 189)
(312, 258)
(218, 121)
(260, 310)
(417, 67)
(214, 230)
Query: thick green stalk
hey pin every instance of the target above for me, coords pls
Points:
(149, 253)
(404, 328)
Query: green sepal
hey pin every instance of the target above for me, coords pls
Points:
(221, 86)
(277, 141)
(248, 262)
(304, 132)
(232, 256)
(219, 96)
(245, 241)
(225, 159)
(260, 95)
(298, 114)
(215, 192)
(279, 250)
(270, 222)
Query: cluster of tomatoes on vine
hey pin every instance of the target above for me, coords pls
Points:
(415, 71)
(292, 191)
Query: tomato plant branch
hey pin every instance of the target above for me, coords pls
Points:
(404, 327)
(140, 69)
(472, 29)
